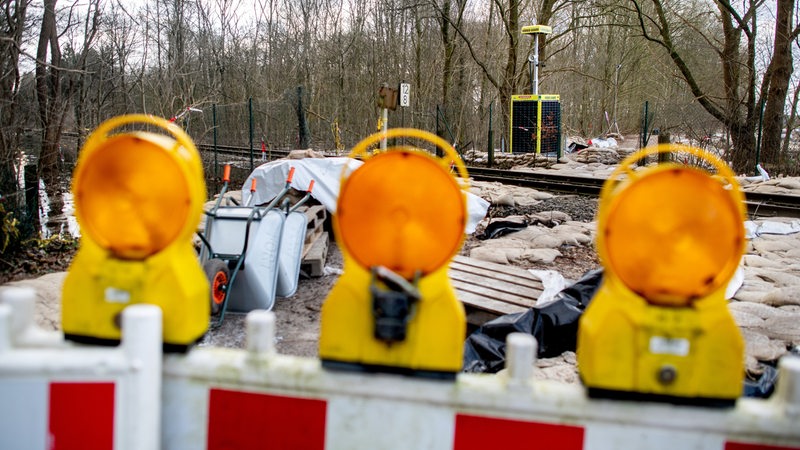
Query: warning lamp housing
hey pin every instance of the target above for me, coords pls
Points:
(138, 199)
(399, 220)
(670, 237)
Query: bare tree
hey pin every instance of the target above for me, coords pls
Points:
(776, 81)
(79, 80)
(737, 108)
(49, 95)
(12, 25)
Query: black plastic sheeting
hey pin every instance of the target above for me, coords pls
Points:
(501, 228)
(764, 386)
(554, 325)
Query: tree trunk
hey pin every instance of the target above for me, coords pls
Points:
(13, 24)
(791, 123)
(48, 93)
(304, 136)
(743, 157)
(781, 73)
(509, 82)
(447, 66)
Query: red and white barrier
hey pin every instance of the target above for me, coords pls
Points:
(221, 398)
(54, 395)
(214, 398)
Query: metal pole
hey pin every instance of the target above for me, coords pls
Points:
(31, 177)
(385, 126)
(403, 115)
(758, 141)
(491, 137)
(250, 113)
(214, 119)
(616, 88)
(643, 134)
(536, 64)
(438, 131)
(530, 73)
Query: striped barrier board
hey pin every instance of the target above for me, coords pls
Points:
(215, 398)
(55, 395)
(250, 399)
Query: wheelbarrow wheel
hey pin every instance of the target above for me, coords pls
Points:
(218, 275)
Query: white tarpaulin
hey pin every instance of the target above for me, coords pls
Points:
(271, 178)
(755, 229)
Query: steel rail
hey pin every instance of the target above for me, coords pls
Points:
(759, 204)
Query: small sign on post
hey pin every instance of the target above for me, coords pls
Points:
(405, 94)
(387, 97)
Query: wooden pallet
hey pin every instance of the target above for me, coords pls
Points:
(315, 216)
(314, 256)
(489, 290)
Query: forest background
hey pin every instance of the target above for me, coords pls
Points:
(308, 72)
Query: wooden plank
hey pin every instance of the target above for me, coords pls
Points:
(493, 293)
(496, 307)
(313, 235)
(510, 274)
(488, 290)
(500, 286)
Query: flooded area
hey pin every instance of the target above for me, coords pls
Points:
(57, 215)
(56, 207)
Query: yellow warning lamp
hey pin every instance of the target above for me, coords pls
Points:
(670, 237)
(138, 199)
(399, 220)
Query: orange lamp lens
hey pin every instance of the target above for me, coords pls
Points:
(131, 196)
(403, 211)
(673, 236)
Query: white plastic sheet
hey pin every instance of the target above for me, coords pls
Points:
(326, 172)
(755, 229)
(552, 282)
(735, 283)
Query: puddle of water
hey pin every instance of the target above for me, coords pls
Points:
(57, 217)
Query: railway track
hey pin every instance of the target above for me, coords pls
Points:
(759, 205)
(243, 152)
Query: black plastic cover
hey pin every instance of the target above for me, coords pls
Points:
(554, 325)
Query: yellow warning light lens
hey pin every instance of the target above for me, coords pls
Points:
(401, 210)
(132, 196)
(673, 235)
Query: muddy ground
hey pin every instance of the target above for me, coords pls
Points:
(296, 317)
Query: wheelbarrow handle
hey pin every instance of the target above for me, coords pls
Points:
(305, 197)
(289, 178)
(253, 184)
(226, 174)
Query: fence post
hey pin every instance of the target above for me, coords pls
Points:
(490, 150)
(250, 114)
(304, 138)
(32, 196)
(214, 119)
(760, 128)
(643, 132)
(664, 138)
